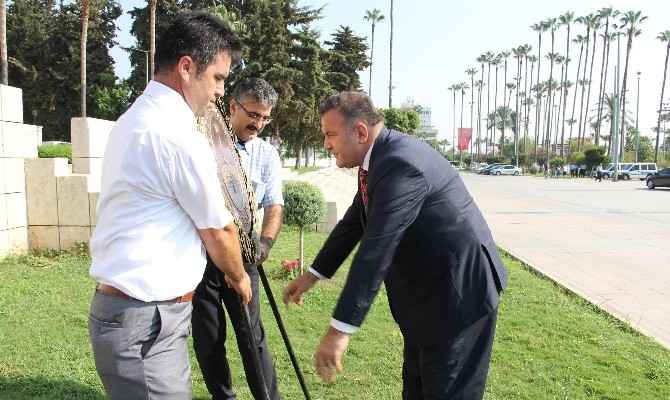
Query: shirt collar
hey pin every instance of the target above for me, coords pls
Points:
(366, 160)
(166, 95)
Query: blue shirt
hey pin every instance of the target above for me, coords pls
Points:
(263, 166)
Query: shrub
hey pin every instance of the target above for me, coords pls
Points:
(55, 150)
(303, 205)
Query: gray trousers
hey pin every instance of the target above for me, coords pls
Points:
(140, 348)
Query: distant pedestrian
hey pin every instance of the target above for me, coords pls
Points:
(599, 174)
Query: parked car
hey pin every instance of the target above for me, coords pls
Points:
(487, 170)
(639, 170)
(506, 170)
(659, 179)
(609, 172)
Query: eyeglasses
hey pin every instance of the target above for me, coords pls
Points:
(265, 119)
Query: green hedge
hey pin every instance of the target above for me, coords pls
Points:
(55, 150)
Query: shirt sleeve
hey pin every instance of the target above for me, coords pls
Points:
(197, 188)
(273, 182)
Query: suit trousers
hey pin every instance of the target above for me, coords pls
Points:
(209, 336)
(455, 369)
(140, 348)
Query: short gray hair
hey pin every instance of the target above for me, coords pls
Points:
(353, 106)
(257, 90)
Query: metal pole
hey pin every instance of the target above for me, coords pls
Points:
(637, 118)
(282, 330)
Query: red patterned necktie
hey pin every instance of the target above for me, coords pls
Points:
(363, 182)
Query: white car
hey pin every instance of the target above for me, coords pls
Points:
(506, 170)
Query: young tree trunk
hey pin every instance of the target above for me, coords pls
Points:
(302, 250)
(152, 36)
(82, 54)
(4, 77)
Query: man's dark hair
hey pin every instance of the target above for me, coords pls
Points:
(256, 90)
(353, 106)
(201, 36)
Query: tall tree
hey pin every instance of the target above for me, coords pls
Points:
(606, 13)
(479, 84)
(594, 21)
(462, 87)
(152, 36)
(581, 40)
(540, 28)
(630, 21)
(566, 20)
(552, 25)
(496, 62)
(373, 16)
(663, 37)
(345, 58)
(82, 53)
(587, 22)
(3, 44)
(391, 60)
(472, 72)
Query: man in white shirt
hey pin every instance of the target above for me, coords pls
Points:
(159, 204)
(250, 111)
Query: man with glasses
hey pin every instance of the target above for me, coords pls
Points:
(250, 109)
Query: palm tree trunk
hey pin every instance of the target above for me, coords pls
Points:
(488, 109)
(516, 108)
(528, 98)
(623, 95)
(459, 147)
(603, 75)
(391, 61)
(495, 108)
(550, 94)
(574, 99)
(538, 103)
(581, 103)
(472, 111)
(588, 96)
(660, 105)
(152, 36)
(607, 62)
(82, 54)
(4, 74)
(479, 116)
(372, 52)
(564, 90)
(453, 134)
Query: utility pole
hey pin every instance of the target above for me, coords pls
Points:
(637, 118)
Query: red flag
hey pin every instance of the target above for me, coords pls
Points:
(464, 136)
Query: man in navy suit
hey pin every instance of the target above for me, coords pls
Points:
(420, 233)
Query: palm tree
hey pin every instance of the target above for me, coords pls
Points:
(606, 13)
(529, 100)
(581, 40)
(608, 108)
(594, 21)
(462, 87)
(453, 88)
(373, 16)
(560, 60)
(471, 72)
(82, 53)
(152, 36)
(540, 28)
(519, 54)
(489, 59)
(504, 55)
(630, 21)
(496, 62)
(552, 26)
(479, 84)
(3, 43)
(586, 21)
(663, 37)
(566, 20)
(391, 60)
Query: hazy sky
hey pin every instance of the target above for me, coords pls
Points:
(435, 41)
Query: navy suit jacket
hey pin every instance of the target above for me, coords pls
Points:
(422, 235)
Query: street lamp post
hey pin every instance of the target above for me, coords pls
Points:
(637, 118)
(146, 61)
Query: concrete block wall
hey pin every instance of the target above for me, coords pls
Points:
(17, 142)
(61, 205)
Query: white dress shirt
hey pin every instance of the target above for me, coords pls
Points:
(159, 186)
(339, 325)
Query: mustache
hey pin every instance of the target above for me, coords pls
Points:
(252, 128)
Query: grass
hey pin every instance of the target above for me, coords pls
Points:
(549, 344)
(304, 170)
(55, 150)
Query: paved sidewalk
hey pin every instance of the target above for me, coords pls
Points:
(608, 242)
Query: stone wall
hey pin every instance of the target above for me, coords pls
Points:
(17, 142)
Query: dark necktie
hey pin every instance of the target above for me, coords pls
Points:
(363, 182)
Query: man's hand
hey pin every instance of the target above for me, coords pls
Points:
(263, 247)
(328, 356)
(241, 286)
(295, 289)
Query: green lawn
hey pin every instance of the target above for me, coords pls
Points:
(549, 344)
